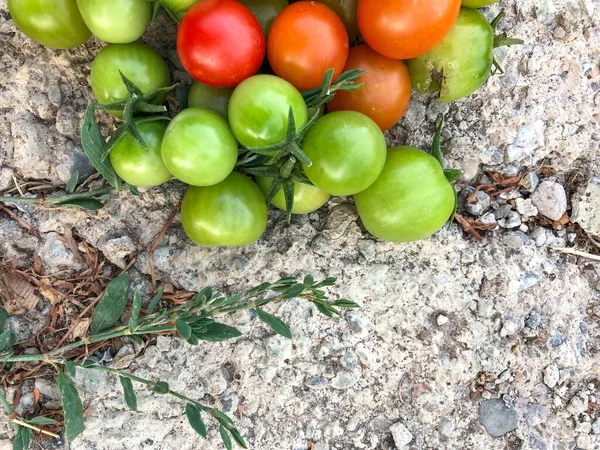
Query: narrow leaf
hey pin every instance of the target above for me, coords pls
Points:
(41, 420)
(193, 416)
(258, 289)
(436, 149)
(345, 304)
(288, 193)
(3, 318)
(22, 439)
(112, 304)
(161, 387)
(72, 407)
(17, 441)
(453, 174)
(323, 309)
(129, 393)
(274, 189)
(330, 281)
(193, 340)
(237, 437)
(225, 437)
(327, 80)
(70, 367)
(132, 88)
(221, 416)
(451, 219)
(7, 339)
(154, 302)
(83, 203)
(278, 325)
(184, 330)
(135, 310)
(114, 140)
(217, 332)
(293, 291)
(93, 145)
(72, 183)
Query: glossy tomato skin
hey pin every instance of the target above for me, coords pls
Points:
(266, 11)
(347, 150)
(52, 23)
(220, 42)
(347, 11)
(305, 41)
(116, 21)
(259, 110)
(199, 148)
(204, 96)
(307, 198)
(138, 62)
(386, 93)
(178, 7)
(410, 200)
(464, 58)
(231, 213)
(477, 3)
(136, 165)
(403, 29)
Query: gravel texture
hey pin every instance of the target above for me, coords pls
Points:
(458, 340)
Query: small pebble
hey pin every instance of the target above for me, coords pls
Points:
(513, 220)
(530, 182)
(550, 199)
(442, 320)
(402, 437)
(497, 418)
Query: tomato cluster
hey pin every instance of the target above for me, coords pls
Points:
(254, 128)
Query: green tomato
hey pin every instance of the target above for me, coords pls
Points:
(209, 97)
(199, 148)
(139, 166)
(178, 7)
(53, 23)
(259, 110)
(116, 21)
(347, 150)
(461, 63)
(231, 213)
(477, 3)
(266, 11)
(307, 198)
(410, 200)
(138, 62)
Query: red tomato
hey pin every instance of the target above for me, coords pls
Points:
(386, 93)
(403, 29)
(306, 40)
(220, 42)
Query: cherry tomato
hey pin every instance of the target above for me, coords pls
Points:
(462, 62)
(386, 93)
(477, 3)
(178, 7)
(138, 62)
(116, 21)
(266, 11)
(204, 96)
(199, 148)
(307, 198)
(231, 213)
(53, 23)
(347, 150)
(259, 110)
(410, 200)
(220, 42)
(139, 166)
(403, 29)
(346, 10)
(306, 40)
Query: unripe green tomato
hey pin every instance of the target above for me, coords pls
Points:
(116, 21)
(178, 7)
(53, 23)
(231, 213)
(265, 11)
(307, 198)
(209, 97)
(199, 147)
(410, 200)
(138, 62)
(139, 166)
(477, 3)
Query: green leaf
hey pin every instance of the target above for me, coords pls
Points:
(184, 330)
(7, 339)
(293, 291)
(309, 280)
(327, 80)
(451, 219)
(41, 420)
(154, 302)
(93, 144)
(436, 148)
(225, 437)
(193, 416)
(113, 303)
(70, 367)
(323, 309)
(131, 87)
(453, 174)
(83, 203)
(135, 310)
(261, 288)
(136, 339)
(72, 407)
(216, 332)
(161, 387)
(22, 439)
(3, 318)
(330, 281)
(129, 393)
(237, 437)
(221, 416)
(278, 325)
(345, 304)
(17, 442)
(72, 183)
(193, 340)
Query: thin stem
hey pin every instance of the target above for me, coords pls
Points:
(33, 427)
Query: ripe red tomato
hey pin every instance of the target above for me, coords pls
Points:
(404, 29)
(305, 41)
(386, 93)
(220, 42)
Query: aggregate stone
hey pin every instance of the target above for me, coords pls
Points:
(551, 376)
(497, 418)
(586, 207)
(550, 199)
(402, 437)
(530, 181)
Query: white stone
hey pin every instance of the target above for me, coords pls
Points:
(402, 437)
